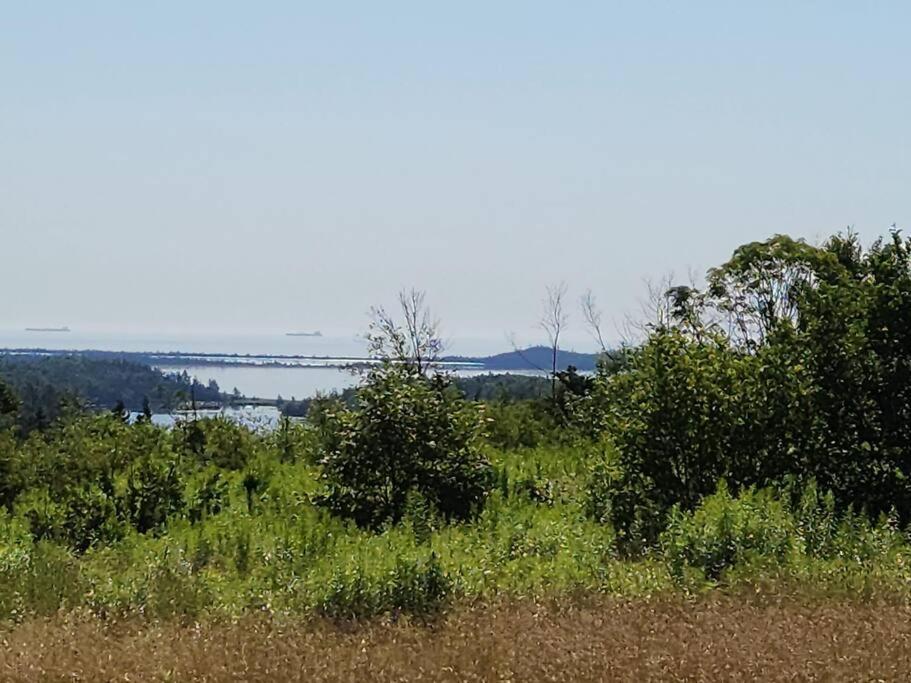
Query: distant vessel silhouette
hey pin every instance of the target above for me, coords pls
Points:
(317, 333)
(47, 329)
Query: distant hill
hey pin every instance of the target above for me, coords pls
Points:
(532, 358)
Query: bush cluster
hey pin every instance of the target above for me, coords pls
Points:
(409, 433)
(793, 363)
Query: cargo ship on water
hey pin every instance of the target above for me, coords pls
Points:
(317, 333)
(47, 329)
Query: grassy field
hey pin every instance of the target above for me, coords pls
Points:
(712, 638)
(279, 555)
(266, 585)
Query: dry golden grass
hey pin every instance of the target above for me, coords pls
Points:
(719, 638)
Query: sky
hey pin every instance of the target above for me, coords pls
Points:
(237, 166)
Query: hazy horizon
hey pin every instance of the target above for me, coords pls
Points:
(213, 167)
(270, 343)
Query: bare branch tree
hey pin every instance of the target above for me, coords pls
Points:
(553, 321)
(415, 342)
(654, 311)
(592, 316)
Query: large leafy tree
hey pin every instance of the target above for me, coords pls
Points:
(410, 431)
(408, 434)
(795, 361)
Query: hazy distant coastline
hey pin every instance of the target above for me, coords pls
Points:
(531, 358)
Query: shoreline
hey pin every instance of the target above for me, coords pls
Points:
(181, 358)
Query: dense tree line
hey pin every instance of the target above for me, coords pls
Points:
(794, 362)
(488, 387)
(47, 387)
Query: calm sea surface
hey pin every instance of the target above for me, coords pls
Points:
(272, 382)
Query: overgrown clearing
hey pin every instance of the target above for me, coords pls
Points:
(756, 443)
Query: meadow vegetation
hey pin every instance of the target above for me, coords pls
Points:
(756, 440)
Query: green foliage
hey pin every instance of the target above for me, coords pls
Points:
(48, 386)
(37, 579)
(284, 555)
(791, 535)
(504, 388)
(224, 445)
(602, 481)
(418, 587)
(90, 519)
(153, 494)
(209, 497)
(408, 433)
(680, 440)
(523, 424)
(9, 406)
(687, 412)
(725, 531)
(792, 364)
(10, 486)
(788, 380)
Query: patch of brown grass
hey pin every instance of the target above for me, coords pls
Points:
(717, 638)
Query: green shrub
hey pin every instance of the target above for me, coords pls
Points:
(524, 424)
(227, 445)
(676, 417)
(421, 517)
(412, 586)
(255, 480)
(724, 531)
(602, 479)
(90, 519)
(629, 503)
(208, 498)
(38, 579)
(293, 441)
(793, 362)
(816, 518)
(153, 494)
(11, 484)
(9, 406)
(537, 489)
(408, 433)
(173, 589)
(418, 586)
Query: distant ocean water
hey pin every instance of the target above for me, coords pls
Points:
(274, 344)
(250, 381)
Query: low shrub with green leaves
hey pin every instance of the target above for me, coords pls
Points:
(724, 531)
(409, 433)
(789, 534)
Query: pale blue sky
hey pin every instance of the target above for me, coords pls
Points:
(301, 161)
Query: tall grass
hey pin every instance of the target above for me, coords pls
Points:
(274, 552)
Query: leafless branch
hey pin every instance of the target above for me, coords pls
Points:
(415, 341)
(592, 316)
(553, 320)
